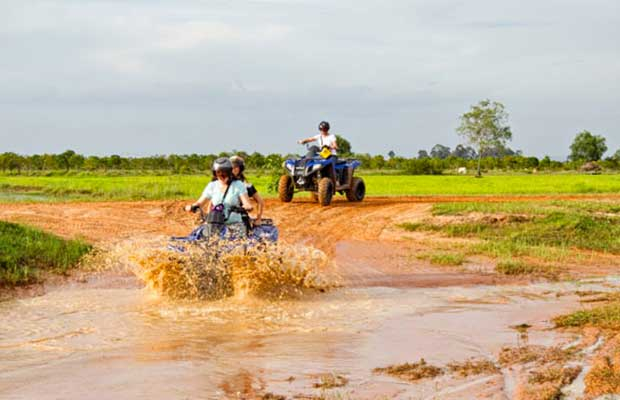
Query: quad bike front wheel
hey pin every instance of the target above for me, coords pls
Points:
(326, 191)
(285, 188)
(357, 191)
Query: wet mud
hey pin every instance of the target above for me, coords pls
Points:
(103, 334)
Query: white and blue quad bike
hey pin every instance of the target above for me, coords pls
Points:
(321, 174)
(210, 232)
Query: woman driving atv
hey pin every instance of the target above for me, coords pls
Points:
(225, 192)
(324, 139)
(238, 167)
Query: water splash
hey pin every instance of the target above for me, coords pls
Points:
(217, 271)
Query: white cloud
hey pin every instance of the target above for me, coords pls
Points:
(407, 68)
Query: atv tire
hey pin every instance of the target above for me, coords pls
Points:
(326, 191)
(357, 191)
(285, 189)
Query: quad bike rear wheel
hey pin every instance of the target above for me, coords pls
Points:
(357, 191)
(285, 188)
(326, 191)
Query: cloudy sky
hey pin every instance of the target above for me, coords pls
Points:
(137, 77)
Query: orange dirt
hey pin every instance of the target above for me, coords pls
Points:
(301, 220)
(362, 235)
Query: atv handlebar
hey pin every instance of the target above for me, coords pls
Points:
(203, 216)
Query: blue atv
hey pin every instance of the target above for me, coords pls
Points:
(323, 175)
(209, 232)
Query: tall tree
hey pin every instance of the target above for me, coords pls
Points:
(587, 147)
(422, 154)
(440, 151)
(485, 125)
(465, 152)
(344, 146)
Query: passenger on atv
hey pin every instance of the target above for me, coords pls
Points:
(225, 195)
(324, 139)
(238, 164)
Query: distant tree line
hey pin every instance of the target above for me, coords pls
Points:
(484, 127)
(440, 159)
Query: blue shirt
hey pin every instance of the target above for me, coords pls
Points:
(215, 192)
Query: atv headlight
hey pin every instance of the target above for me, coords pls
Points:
(288, 166)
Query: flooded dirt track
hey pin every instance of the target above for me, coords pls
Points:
(124, 343)
(104, 336)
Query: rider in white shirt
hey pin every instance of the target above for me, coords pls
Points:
(324, 138)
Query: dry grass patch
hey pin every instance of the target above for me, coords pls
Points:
(271, 396)
(330, 381)
(604, 376)
(526, 354)
(554, 374)
(411, 371)
(473, 367)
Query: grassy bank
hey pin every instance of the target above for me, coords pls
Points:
(93, 187)
(529, 238)
(25, 252)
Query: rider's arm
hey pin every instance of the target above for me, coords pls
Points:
(335, 145)
(245, 201)
(205, 197)
(307, 140)
(261, 206)
(198, 203)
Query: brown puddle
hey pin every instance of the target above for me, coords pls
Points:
(111, 343)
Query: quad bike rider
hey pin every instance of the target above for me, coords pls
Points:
(321, 172)
(238, 171)
(228, 217)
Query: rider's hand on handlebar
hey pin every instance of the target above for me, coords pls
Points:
(191, 208)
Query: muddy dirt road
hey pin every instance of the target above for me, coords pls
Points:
(300, 220)
(363, 237)
(105, 337)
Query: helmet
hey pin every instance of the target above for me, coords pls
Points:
(222, 164)
(324, 126)
(238, 162)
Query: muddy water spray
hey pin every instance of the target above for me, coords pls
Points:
(272, 271)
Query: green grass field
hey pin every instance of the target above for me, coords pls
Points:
(27, 188)
(515, 233)
(25, 251)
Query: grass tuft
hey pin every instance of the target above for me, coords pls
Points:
(473, 367)
(519, 267)
(447, 259)
(606, 316)
(411, 372)
(330, 381)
